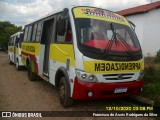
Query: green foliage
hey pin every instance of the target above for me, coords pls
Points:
(6, 30)
(151, 74)
(151, 87)
(157, 59)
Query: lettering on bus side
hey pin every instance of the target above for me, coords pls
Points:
(117, 66)
(30, 48)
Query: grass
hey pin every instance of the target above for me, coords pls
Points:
(151, 87)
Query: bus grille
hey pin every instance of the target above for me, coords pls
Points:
(118, 76)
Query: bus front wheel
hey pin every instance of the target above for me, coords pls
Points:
(65, 99)
(31, 75)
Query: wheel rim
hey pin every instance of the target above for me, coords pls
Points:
(62, 92)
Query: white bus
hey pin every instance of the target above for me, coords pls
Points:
(14, 49)
(86, 52)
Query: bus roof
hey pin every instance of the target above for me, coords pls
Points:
(17, 33)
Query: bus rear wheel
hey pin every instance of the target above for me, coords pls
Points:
(31, 75)
(65, 99)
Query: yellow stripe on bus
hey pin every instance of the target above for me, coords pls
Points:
(60, 52)
(101, 67)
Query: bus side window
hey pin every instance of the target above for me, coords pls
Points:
(38, 33)
(34, 32)
(25, 34)
(29, 34)
(67, 37)
(21, 40)
(16, 41)
(60, 38)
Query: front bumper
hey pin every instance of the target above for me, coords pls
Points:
(104, 90)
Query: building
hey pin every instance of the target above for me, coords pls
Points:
(147, 21)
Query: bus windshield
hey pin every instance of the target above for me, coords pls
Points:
(106, 38)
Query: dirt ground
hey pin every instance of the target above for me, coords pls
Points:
(17, 93)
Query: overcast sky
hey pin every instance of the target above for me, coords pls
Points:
(21, 12)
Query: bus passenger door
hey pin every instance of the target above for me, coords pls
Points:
(45, 41)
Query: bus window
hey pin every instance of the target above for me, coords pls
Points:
(16, 41)
(125, 35)
(29, 34)
(67, 37)
(34, 32)
(20, 40)
(38, 34)
(25, 33)
(68, 33)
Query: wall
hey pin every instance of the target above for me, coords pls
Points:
(148, 30)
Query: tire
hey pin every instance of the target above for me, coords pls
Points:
(17, 65)
(65, 99)
(31, 75)
(10, 62)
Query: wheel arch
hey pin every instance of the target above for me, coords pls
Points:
(62, 72)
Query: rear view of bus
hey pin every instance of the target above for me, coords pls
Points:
(111, 62)
(14, 49)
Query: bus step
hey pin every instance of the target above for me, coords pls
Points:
(44, 78)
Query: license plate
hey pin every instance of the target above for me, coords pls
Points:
(120, 90)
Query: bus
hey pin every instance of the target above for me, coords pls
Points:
(14, 49)
(86, 52)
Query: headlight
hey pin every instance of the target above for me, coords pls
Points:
(91, 77)
(86, 77)
(141, 75)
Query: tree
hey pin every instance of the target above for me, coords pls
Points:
(6, 30)
(157, 58)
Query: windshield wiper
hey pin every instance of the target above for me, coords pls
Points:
(114, 38)
(127, 46)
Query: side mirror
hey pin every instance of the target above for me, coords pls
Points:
(61, 27)
(65, 12)
(132, 25)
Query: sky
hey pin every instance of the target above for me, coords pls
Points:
(21, 12)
